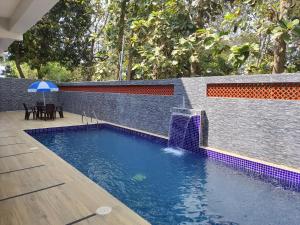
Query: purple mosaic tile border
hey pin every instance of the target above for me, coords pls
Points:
(285, 178)
(127, 131)
(278, 176)
(60, 129)
(123, 130)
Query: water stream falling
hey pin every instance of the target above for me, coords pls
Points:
(184, 131)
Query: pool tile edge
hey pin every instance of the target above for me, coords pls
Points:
(287, 177)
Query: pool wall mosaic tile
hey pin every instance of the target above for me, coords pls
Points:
(185, 131)
(286, 178)
(192, 134)
(178, 125)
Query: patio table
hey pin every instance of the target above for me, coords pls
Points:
(42, 114)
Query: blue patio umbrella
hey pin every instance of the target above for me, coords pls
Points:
(42, 86)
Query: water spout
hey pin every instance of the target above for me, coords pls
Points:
(184, 131)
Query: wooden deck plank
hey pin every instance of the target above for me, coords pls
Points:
(77, 198)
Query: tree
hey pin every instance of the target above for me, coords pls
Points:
(280, 47)
(121, 26)
(17, 54)
(164, 38)
(61, 36)
(40, 45)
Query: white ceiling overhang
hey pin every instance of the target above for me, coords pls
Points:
(17, 16)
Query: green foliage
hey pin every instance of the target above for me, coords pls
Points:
(287, 29)
(80, 39)
(165, 41)
(61, 35)
(51, 71)
(240, 53)
(54, 71)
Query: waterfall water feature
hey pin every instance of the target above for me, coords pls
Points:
(185, 131)
(178, 125)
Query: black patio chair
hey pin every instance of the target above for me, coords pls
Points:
(28, 112)
(40, 110)
(50, 112)
(60, 111)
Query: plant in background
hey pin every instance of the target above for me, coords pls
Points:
(240, 53)
(162, 39)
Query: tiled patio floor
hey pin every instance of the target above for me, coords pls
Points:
(38, 187)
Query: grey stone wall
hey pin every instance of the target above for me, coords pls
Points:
(145, 112)
(259, 128)
(13, 93)
(265, 129)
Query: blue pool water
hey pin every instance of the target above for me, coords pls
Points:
(167, 186)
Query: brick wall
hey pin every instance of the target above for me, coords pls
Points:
(284, 91)
(124, 89)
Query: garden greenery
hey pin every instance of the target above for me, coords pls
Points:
(83, 39)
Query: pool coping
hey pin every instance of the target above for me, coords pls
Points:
(286, 177)
(40, 187)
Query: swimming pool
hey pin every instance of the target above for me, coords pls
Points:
(168, 186)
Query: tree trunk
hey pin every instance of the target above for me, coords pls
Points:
(279, 55)
(121, 26)
(18, 62)
(280, 45)
(90, 70)
(194, 69)
(129, 65)
(155, 72)
(19, 68)
(39, 74)
(130, 75)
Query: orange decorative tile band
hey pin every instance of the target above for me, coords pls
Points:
(124, 89)
(287, 91)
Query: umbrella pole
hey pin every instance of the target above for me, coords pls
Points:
(44, 98)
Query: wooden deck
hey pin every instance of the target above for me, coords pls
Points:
(38, 187)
